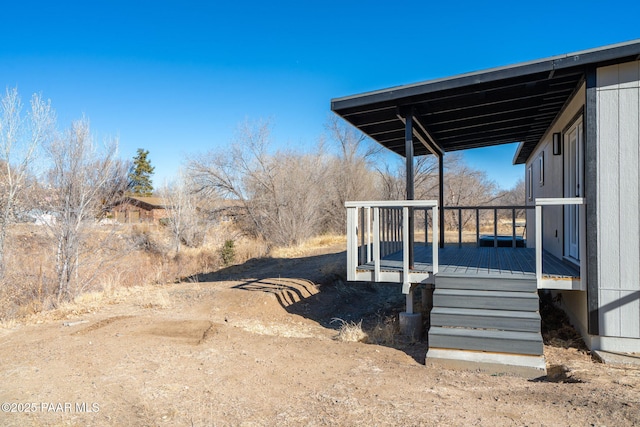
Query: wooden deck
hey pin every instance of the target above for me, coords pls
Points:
(481, 262)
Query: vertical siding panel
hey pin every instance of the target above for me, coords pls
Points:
(630, 326)
(629, 230)
(608, 197)
(610, 313)
(629, 227)
(608, 201)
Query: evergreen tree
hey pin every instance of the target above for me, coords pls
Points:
(140, 183)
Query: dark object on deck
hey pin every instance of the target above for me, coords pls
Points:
(503, 241)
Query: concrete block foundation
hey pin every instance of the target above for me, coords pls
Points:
(411, 325)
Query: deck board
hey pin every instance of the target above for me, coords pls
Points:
(481, 261)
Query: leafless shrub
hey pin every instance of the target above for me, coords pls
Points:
(79, 174)
(385, 331)
(350, 331)
(20, 140)
(187, 219)
(143, 238)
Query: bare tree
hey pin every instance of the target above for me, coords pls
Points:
(79, 175)
(186, 221)
(465, 186)
(278, 193)
(350, 175)
(20, 138)
(393, 181)
(285, 197)
(516, 195)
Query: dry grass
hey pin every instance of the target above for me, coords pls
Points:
(385, 331)
(309, 247)
(114, 259)
(118, 262)
(350, 331)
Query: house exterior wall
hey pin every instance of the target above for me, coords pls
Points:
(618, 208)
(574, 302)
(132, 213)
(552, 184)
(618, 218)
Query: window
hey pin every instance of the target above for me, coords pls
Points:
(541, 163)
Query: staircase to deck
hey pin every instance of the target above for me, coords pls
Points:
(489, 323)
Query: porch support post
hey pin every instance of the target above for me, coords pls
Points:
(408, 139)
(441, 197)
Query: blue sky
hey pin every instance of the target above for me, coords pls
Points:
(177, 77)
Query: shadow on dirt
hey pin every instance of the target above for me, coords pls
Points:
(315, 287)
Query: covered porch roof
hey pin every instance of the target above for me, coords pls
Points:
(516, 103)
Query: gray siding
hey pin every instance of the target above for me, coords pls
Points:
(553, 233)
(618, 110)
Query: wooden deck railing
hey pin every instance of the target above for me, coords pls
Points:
(382, 228)
(495, 209)
(376, 229)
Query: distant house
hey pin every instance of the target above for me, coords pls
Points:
(577, 119)
(133, 210)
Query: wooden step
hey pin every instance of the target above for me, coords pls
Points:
(488, 300)
(506, 320)
(488, 283)
(511, 342)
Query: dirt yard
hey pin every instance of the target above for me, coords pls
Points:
(254, 345)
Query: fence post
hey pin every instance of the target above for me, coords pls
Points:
(538, 244)
(426, 227)
(376, 244)
(495, 227)
(459, 227)
(513, 226)
(434, 244)
(369, 248)
(352, 243)
(477, 227)
(363, 248)
(583, 245)
(406, 286)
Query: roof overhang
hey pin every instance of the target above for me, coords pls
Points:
(516, 103)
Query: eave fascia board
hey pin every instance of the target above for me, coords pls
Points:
(547, 65)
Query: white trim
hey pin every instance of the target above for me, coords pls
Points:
(562, 284)
(376, 244)
(352, 243)
(368, 234)
(406, 285)
(434, 240)
(613, 344)
(555, 201)
(393, 204)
